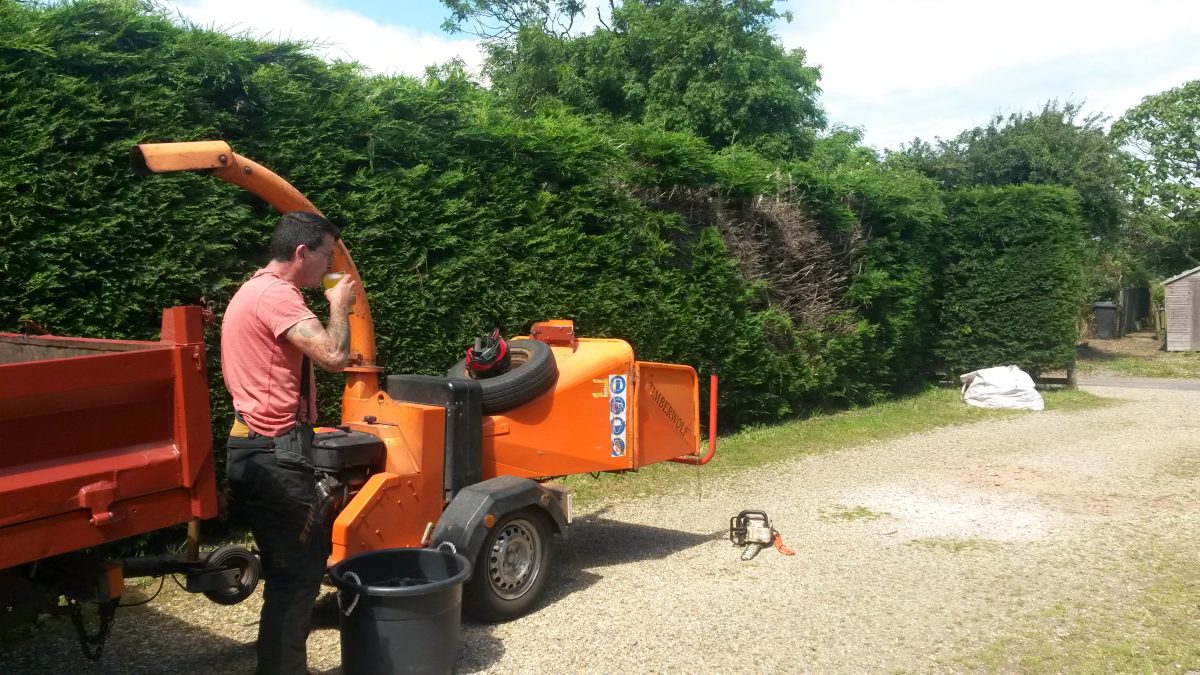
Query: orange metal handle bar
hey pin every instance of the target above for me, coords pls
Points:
(712, 427)
(224, 163)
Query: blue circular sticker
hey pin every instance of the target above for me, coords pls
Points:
(618, 426)
(618, 447)
(617, 405)
(618, 384)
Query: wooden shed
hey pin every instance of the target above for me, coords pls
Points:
(1182, 302)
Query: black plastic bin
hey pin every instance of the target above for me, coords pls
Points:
(401, 610)
(1106, 320)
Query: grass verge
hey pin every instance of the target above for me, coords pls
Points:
(1182, 365)
(760, 446)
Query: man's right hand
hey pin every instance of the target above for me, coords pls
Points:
(342, 295)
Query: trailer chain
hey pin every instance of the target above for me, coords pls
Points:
(93, 645)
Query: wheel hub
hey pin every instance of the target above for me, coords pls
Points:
(512, 566)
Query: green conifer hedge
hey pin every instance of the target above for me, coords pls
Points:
(1013, 278)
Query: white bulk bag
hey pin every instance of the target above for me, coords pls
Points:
(1001, 387)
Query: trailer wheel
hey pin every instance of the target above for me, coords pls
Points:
(249, 570)
(511, 569)
(533, 370)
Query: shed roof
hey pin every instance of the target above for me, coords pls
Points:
(1181, 275)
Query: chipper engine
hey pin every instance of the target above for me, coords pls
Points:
(467, 459)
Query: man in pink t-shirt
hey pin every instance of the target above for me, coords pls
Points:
(268, 339)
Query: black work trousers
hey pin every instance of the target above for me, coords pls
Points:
(273, 486)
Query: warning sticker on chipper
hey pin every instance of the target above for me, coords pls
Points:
(617, 413)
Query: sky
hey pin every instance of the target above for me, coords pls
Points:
(897, 69)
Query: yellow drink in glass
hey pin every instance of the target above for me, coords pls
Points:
(330, 280)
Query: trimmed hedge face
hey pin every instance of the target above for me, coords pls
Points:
(1012, 260)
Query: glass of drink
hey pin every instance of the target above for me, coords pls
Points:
(330, 280)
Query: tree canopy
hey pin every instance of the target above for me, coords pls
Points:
(502, 19)
(710, 67)
(1162, 134)
(1056, 146)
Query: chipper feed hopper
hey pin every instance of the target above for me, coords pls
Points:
(420, 460)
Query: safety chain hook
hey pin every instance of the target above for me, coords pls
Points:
(93, 645)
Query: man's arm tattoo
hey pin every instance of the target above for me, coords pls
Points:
(306, 329)
(339, 332)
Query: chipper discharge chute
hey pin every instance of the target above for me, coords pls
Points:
(422, 461)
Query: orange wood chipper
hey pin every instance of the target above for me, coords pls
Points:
(415, 461)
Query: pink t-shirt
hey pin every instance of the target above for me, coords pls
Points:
(261, 367)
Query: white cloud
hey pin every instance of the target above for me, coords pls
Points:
(936, 67)
(898, 68)
(879, 47)
(339, 33)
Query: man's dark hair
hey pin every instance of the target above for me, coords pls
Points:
(296, 228)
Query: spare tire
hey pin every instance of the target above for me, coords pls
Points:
(533, 370)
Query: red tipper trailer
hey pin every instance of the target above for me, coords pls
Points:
(102, 440)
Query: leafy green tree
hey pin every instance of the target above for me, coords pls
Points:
(1056, 146)
(1163, 134)
(710, 67)
(502, 19)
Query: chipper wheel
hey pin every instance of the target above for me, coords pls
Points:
(512, 567)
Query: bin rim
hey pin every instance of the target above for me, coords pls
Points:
(401, 591)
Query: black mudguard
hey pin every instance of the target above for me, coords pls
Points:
(462, 523)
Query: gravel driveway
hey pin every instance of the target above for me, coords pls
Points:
(998, 546)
